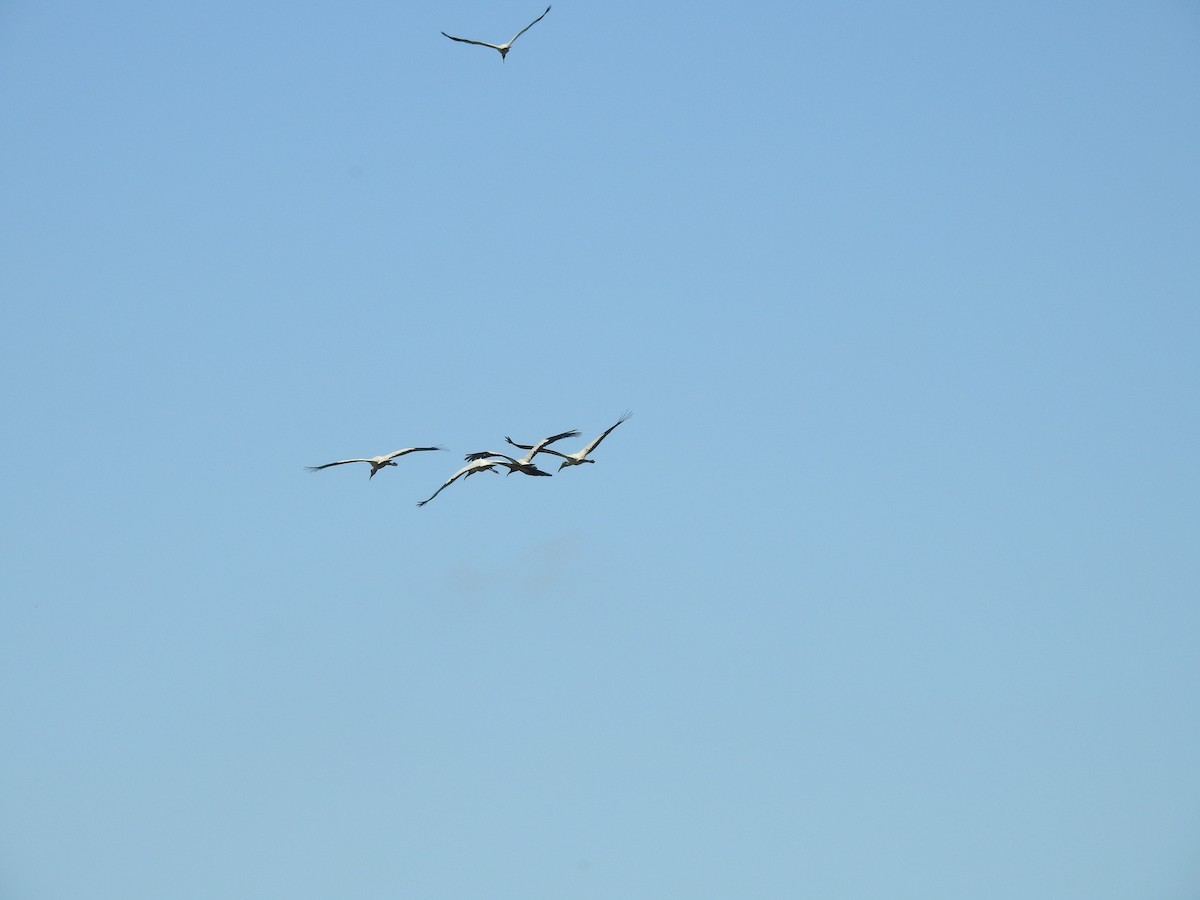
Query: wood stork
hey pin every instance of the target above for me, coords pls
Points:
(573, 459)
(513, 465)
(525, 464)
(479, 465)
(377, 462)
(502, 48)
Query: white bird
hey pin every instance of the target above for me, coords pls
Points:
(525, 464)
(502, 48)
(572, 459)
(479, 465)
(377, 462)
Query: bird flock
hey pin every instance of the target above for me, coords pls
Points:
(492, 460)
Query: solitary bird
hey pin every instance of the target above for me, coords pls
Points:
(572, 459)
(478, 465)
(502, 48)
(377, 462)
(525, 464)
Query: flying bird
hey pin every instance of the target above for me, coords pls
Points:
(503, 459)
(524, 464)
(502, 48)
(479, 465)
(571, 459)
(377, 462)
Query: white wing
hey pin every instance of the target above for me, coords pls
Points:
(340, 462)
(527, 27)
(480, 43)
(596, 443)
(407, 450)
(476, 466)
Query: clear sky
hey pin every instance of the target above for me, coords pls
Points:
(889, 588)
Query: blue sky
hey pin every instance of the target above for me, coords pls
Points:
(887, 589)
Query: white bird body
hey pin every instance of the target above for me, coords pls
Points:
(502, 49)
(376, 462)
(571, 459)
(478, 465)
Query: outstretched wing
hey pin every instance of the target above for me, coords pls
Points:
(488, 454)
(526, 28)
(468, 469)
(481, 44)
(540, 446)
(340, 462)
(408, 450)
(435, 493)
(530, 447)
(518, 446)
(596, 443)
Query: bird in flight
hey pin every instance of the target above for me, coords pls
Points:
(524, 464)
(503, 459)
(572, 459)
(376, 462)
(502, 48)
(478, 465)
